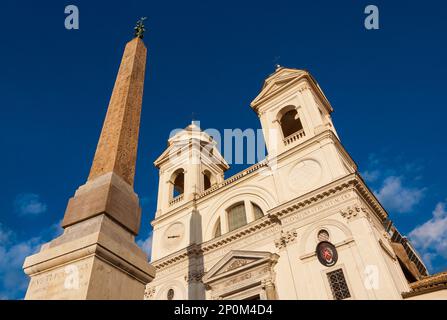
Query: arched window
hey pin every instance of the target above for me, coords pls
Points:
(257, 211)
(236, 216)
(170, 294)
(290, 123)
(217, 229)
(323, 235)
(178, 181)
(206, 180)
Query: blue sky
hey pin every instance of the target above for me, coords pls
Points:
(386, 86)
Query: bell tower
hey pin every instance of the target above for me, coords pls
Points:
(188, 167)
(292, 108)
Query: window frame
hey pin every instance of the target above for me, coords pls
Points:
(228, 211)
(325, 278)
(255, 205)
(173, 194)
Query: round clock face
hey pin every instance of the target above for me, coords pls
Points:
(174, 235)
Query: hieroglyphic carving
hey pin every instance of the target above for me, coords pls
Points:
(194, 276)
(117, 146)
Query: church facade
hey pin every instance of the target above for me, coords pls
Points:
(300, 224)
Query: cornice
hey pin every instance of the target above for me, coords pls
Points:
(259, 100)
(251, 172)
(187, 147)
(337, 245)
(218, 188)
(185, 204)
(264, 163)
(95, 250)
(428, 284)
(326, 134)
(273, 216)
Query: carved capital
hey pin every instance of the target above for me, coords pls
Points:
(267, 283)
(352, 212)
(286, 238)
(149, 293)
(303, 88)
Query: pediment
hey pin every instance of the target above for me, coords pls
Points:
(235, 263)
(278, 81)
(183, 140)
(237, 260)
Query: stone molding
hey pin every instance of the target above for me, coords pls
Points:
(108, 194)
(254, 270)
(350, 182)
(247, 173)
(103, 242)
(337, 245)
(276, 84)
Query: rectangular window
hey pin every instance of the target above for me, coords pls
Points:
(338, 285)
(236, 217)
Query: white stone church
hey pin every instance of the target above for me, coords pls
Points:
(301, 224)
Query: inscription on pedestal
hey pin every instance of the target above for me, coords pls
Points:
(67, 282)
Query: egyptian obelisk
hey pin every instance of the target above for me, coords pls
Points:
(96, 257)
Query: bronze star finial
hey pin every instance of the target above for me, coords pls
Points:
(139, 28)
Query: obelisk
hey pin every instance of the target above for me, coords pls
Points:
(96, 257)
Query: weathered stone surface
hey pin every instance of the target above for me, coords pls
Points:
(93, 259)
(109, 195)
(117, 146)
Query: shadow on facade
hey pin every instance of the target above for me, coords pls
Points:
(196, 289)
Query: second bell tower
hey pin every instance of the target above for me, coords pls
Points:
(292, 108)
(190, 166)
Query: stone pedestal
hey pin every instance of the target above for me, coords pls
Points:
(93, 259)
(107, 194)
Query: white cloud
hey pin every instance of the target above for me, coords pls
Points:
(431, 237)
(29, 204)
(146, 244)
(13, 281)
(5, 235)
(371, 175)
(396, 197)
